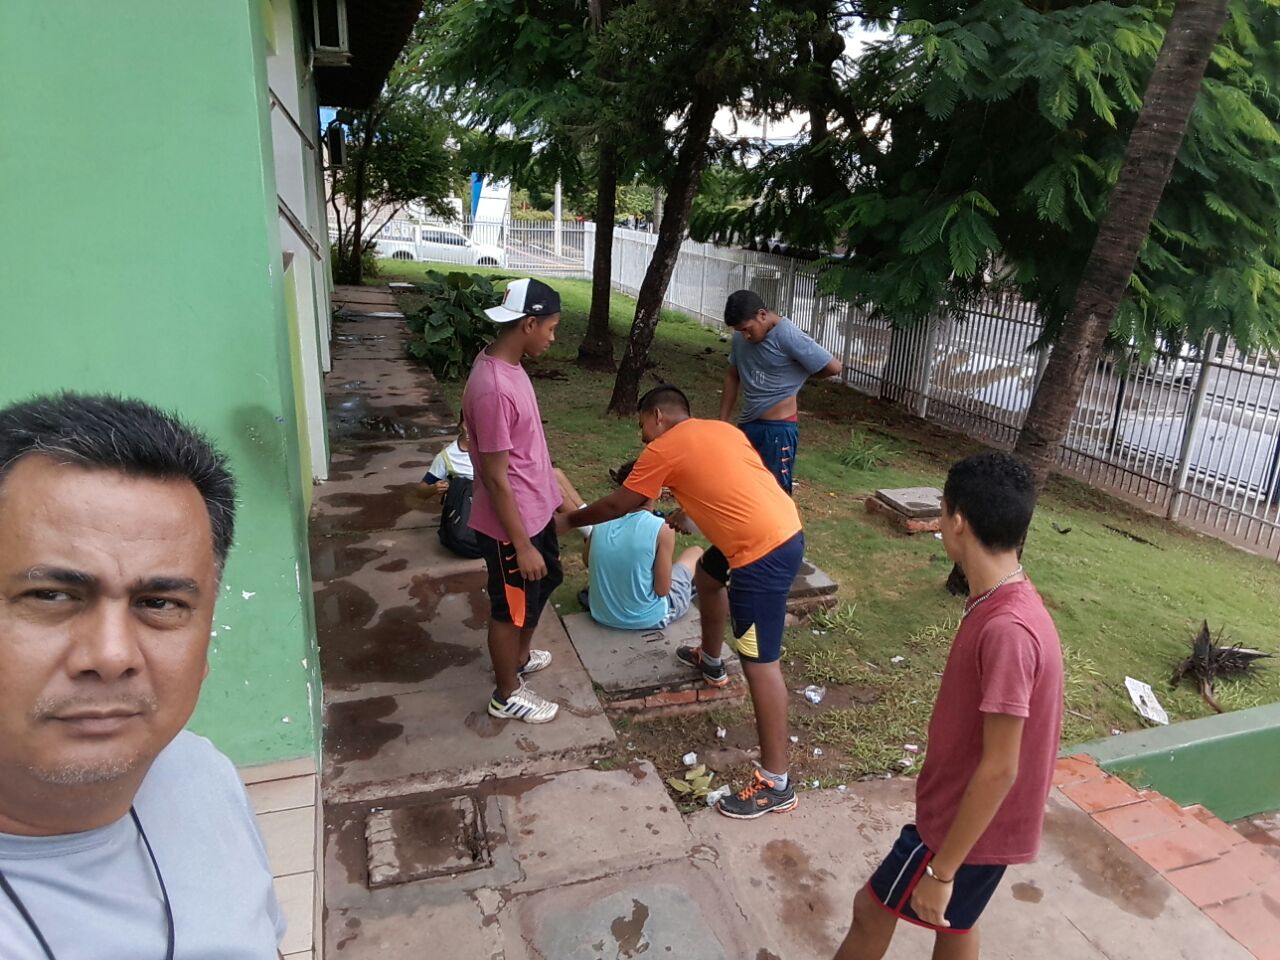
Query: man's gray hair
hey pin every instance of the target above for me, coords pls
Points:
(99, 431)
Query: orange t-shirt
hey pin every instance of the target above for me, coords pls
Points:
(720, 482)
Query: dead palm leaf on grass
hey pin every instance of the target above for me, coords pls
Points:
(1210, 659)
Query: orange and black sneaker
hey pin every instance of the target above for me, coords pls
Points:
(716, 676)
(757, 799)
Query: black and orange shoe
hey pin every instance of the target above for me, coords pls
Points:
(757, 799)
(716, 676)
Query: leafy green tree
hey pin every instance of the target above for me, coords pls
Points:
(1152, 148)
(688, 60)
(524, 75)
(986, 140)
(398, 150)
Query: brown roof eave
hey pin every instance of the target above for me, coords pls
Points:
(377, 31)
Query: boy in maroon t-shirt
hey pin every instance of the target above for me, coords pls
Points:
(993, 736)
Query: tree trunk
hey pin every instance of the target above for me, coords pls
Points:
(596, 349)
(1149, 157)
(356, 263)
(675, 219)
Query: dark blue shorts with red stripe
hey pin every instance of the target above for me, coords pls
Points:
(895, 881)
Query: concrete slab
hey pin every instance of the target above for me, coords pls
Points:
(374, 486)
(1086, 898)
(811, 582)
(586, 824)
(679, 910)
(360, 416)
(392, 633)
(430, 839)
(406, 920)
(378, 376)
(439, 734)
(350, 293)
(918, 503)
(416, 550)
(628, 663)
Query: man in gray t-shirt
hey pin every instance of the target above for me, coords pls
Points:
(769, 361)
(121, 836)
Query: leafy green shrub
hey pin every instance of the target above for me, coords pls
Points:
(451, 328)
(862, 454)
(341, 265)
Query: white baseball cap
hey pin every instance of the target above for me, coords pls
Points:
(525, 298)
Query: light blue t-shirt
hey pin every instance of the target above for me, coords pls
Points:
(621, 569)
(94, 895)
(776, 367)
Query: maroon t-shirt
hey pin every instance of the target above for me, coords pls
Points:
(1005, 659)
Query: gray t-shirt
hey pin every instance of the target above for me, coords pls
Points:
(94, 894)
(776, 367)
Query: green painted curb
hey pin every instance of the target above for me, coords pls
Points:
(1229, 763)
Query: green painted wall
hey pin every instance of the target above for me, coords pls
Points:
(1227, 762)
(141, 256)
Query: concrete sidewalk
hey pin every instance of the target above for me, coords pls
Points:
(589, 865)
(450, 834)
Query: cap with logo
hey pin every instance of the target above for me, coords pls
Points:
(525, 298)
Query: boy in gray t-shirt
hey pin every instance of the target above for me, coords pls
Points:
(769, 361)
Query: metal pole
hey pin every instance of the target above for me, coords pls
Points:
(1189, 428)
(789, 298)
(559, 241)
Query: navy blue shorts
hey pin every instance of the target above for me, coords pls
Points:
(895, 881)
(758, 596)
(512, 598)
(777, 442)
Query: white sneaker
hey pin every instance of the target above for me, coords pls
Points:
(524, 705)
(538, 660)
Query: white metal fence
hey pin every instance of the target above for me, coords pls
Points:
(1193, 434)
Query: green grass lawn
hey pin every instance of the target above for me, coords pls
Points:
(1123, 606)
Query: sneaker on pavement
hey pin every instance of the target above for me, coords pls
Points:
(538, 660)
(757, 799)
(716, 676)
(524, 705)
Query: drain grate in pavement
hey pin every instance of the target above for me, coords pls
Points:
(433, 839)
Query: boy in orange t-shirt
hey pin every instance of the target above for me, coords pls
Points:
(757, 544)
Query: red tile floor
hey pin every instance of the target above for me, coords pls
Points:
(1233, 875)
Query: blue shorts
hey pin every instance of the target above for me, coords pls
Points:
(777, 442)
(895, 881)
(758, 596)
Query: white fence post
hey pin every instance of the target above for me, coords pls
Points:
(702, 287)
(559, 236)
(1207, 347)
(925, 376)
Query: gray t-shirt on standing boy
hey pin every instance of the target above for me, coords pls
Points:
(776, 367)
(94, 894)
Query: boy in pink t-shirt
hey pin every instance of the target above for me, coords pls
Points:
(994, 733)
(516, 494)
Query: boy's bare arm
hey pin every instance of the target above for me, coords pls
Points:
(493, 474)
(729, 396)
(662, 561)
(989, 785)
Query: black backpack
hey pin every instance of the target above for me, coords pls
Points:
(455, 513)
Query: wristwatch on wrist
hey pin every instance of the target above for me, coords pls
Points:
(928, 869)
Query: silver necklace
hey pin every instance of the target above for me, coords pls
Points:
(969, 607)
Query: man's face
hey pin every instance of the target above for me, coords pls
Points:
(107, 587)
(541, 334)
(652, 426)
(755, 328)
